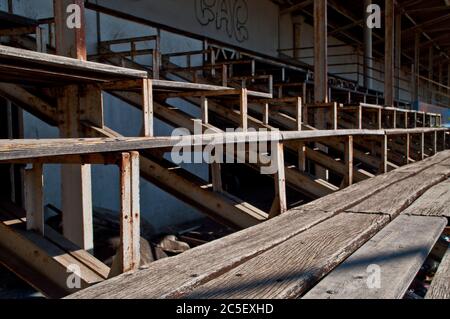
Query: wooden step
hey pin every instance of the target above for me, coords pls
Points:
(434, 202)
(41, 262)
(396, 254)
(291, 268)
(440, 286)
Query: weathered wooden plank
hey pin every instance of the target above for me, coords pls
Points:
(397, 197)
(40, 60)
(290, 269)
(42, 256)
(11, 149)
(440, 286)
(357, 193)
(386, 265)
(210, 260)
(434, 202)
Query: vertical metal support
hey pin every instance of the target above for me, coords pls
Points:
(147, 107)
(157, 55)
(406, 119)
(407, 148)
(320, 51)
(75, 179)
(398, 52)
(448, 80)
(302, 156)
(280, 204)
(394, 119)
(244, 109)
(368, 48)
(299, 113)
(415, 77)
(360, 116)
(129, 254)
(443, 140)
(380, 119)
(430, 73)
(224, 75)
(415, 120)
(34, 198)
(334, 116)
(215, 168)
(384, 154)
(266, 113)
(348, 178)
(204, 110)
(389, 54)
(422, 146)
(435, 137)
(305, 114)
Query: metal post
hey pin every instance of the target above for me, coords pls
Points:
(368, 48)
(320, 51)
(389, 54)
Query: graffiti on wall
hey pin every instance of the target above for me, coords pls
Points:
(230, 16)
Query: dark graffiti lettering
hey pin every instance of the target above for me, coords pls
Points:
(230, 16)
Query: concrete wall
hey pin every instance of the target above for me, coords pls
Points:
(251, 24)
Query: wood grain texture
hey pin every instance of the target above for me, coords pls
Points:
(435, 202)
(290, 269)
(20, 149)
(399, 251)
(440, 286)
(355, 194)
(395, 198)
(171, 277)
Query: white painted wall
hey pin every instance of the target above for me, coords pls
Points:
(256, 27)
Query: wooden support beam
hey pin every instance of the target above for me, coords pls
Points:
(91, 105)
(280, 203)
(320, 51)
(70, 41)
(129, 255)
(75, 179)
(147, 107)
(360, 117)
(348, 154)
(34, 198)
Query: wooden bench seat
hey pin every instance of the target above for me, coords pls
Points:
(435, 202)
(440, 286)
(282, 258)
(398, 252)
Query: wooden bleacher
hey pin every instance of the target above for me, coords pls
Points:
(287, 256)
